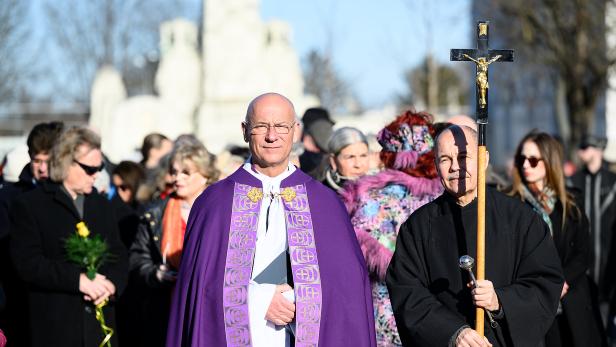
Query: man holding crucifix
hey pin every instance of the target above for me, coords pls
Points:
(519, 277)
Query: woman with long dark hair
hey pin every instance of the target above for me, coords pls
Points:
(538, 179)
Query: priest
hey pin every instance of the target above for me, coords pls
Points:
(270, 255)
(434, 301)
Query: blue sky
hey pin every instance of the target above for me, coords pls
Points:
(374, 42)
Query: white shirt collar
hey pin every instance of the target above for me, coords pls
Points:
(269, 183)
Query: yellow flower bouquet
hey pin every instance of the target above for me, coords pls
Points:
(90, 253)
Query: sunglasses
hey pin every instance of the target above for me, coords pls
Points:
(123, 187)
(90, 170)
(533, 161)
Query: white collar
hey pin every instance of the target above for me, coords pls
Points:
(267, 180)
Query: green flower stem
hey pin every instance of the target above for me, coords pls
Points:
(91, 272)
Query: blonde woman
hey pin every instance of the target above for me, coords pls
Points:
(155, 254)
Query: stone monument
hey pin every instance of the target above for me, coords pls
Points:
(124, 122)
(242, 58)
(206, 94)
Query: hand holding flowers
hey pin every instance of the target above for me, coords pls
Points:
(90, 253)
(98, 290)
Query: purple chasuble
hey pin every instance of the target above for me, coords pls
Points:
(333, 295)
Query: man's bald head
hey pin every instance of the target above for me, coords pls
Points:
(270, 130)
(461, 134)
(463, 120)
(269, 99)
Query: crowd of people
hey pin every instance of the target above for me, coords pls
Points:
(307, 224)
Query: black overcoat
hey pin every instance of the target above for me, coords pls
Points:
(580, 313)
(429, 293)
(40, 221)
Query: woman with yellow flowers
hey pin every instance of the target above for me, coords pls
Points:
(155, 254)
(66, 248)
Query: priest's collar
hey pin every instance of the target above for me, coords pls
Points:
(267, 180)
(244, 177)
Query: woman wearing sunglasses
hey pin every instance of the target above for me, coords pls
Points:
(538, 179)
(156, 251)
(61, 298)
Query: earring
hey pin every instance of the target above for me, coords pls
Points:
(335, 176)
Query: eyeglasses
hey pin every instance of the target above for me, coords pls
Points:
(263, 128)
(533, 161)
(90, 170)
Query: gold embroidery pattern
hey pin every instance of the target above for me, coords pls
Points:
(255, 194)
(288, 194)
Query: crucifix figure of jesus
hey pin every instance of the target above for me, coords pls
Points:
(482, 56)
(482, 76)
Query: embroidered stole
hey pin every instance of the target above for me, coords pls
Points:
(302, 254)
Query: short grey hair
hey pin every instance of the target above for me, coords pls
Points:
(64, 151)
(344, 137)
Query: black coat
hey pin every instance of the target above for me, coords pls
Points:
(580, 319)
(145, 257)
(128, 304)
(429, 293)
(598, 201)
(41, 220)
(13, 318)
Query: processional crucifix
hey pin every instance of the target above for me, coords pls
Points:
(482, 56)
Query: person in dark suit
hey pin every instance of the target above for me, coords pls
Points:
(40, 141)
(538, 179)
(60, 297)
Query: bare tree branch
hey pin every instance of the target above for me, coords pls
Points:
(567, 36)
(13, 38)
(93, 33)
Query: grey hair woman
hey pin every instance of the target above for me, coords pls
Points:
(348, 157)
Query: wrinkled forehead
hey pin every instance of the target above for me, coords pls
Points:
(272, 109)
(272, 114)
(456, 139)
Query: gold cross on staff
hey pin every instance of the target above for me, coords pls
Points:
(482, 76)
(482, 56)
